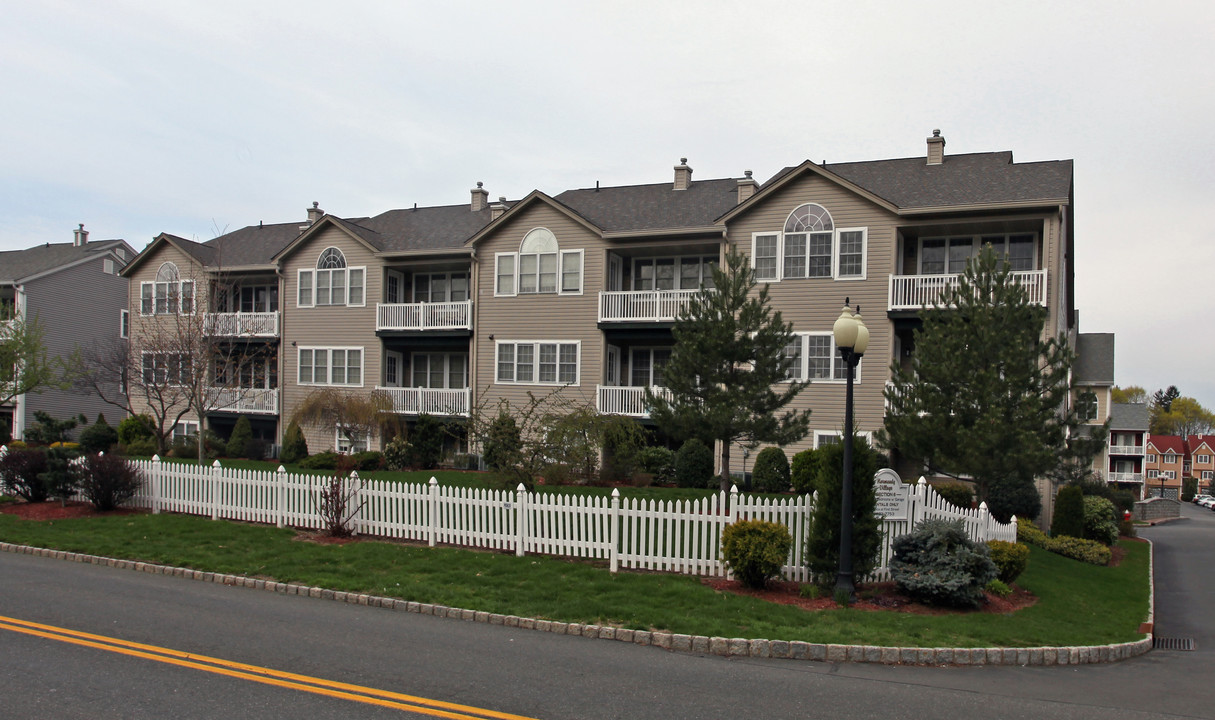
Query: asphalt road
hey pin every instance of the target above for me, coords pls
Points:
(530, 674)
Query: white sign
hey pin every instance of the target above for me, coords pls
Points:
(893, 497)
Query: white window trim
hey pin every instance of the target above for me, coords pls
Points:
(561, 272)
(413, 364)
(365, 441)
(1173, 461)
(536, 362)
(835, 255)
(299, 287)
(169, 310)
(1208, 474)
(514, 276)
(181, 358)
(1204, 459)
(187, 424)
(1151, 457)
(329, 365)
(1152, 473)
(977, 239)
(124, 324)
(836, 361)
(311, 273)
(448, 276)
(819, 434)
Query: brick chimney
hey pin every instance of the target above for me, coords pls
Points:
(747, 186)
(82, 236)
(683, 175)
(496, 210)
(480, 197)
(936, 148)
(315, 212)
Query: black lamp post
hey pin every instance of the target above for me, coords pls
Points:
(852, 339)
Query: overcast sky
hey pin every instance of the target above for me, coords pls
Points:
(199, 117)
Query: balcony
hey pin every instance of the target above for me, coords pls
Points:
(625, 400)
(1126, 449)
(1125, 477)
(424, 316)
(643, 305)
(258, 401)
(912, 292)
(239, 324)
(429, 401)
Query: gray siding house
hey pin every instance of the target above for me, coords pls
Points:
(76, 294)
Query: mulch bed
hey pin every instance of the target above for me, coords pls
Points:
(55, 510)
(876, 597)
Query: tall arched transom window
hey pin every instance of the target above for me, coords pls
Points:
(333, 282)
(168, 294)
(540, 266)
(809, 246)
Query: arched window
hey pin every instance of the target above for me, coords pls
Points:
(332, 282)
(168, 294)
(540, 266)
(809, 246)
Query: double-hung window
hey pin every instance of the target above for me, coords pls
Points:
(440, 287)
(168, 294)
(810, 247)
(815, 357)
(539, 267)
(332, 282)
(162, 368)
(538, 363)
(330, 366)
(951, 255)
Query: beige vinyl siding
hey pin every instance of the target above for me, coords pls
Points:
(143, 326)
(813, 304)
(543, 317)
(327, 326)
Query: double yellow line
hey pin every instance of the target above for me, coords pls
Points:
(255, 673)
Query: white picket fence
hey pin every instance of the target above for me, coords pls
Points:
(680, 536)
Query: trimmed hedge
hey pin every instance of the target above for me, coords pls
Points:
(1011, 559)
(771, 471)
(755, 550)
(1089, 551)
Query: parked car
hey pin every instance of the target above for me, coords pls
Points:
(1199, 498)
(1207, 502)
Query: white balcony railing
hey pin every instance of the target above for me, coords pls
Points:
(259, 401)
(625, 400)
(1126, 449)
(429, 401)
(241, 324)
(643, 305)
(912, 292)
(424, 316)
(1124, 477)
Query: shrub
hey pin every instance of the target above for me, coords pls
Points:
(396, 453)
(1010, 559)
(1011, 495)
(755, 550)
(623, 441)
(1089, 551)
(939, 564)
(659, 462)
(503, 443)
(140, 447)
(803, 471)
(823, 538)
(1030, 534)
(108, 481)
(558, 474)
(187, 447)
(135, 427)
(694, 465)
(98, 437)
(321, 461)
(61, 476)
(238, 442)
(956, 493)
(1126, 528)
(425, 445)
(367, 461)
(1100, 520)
(1189, 488)
(771, 472)
(18, 444)
(46, 429)
(21, 472)
(999, 587)
(1069, 513)
(295, 447)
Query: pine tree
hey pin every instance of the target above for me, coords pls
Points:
(986, 395)
(242, 435)
(728, 369)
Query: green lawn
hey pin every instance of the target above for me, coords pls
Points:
(1078, 604)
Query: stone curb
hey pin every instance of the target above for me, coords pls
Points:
(675, 642)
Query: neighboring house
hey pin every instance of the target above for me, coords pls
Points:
(76, 294)
(455, 310)
(1127, 448)
(1201, 449)
(1165, 466)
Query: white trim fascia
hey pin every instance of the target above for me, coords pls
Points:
(660, 232)
(456, 252)
(972, 207)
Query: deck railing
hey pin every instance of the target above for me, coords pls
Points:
(1126, 450)
(912, 292)
(1123, 477)
(241, 324)
(643, 305)
(429, 401)
(625, 400)
(424, 316)
(261, 401)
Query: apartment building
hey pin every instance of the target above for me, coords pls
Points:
(1167, 463)
(76, 294)
(451, 309)
(1127, 448)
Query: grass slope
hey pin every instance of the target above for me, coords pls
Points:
(1078, 604)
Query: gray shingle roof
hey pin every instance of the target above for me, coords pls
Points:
(253, 245)
(426, 228)
(1129, 416)
(18, 264)
(1094, 359)
(653, 207)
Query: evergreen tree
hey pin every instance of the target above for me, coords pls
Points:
(728, 368)
(238, 441)
(823, 540)
(986, 395)
(295, 446)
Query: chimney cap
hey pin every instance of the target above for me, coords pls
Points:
(480, 184)
(747, 173)
(936, 132)
(683, 161)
